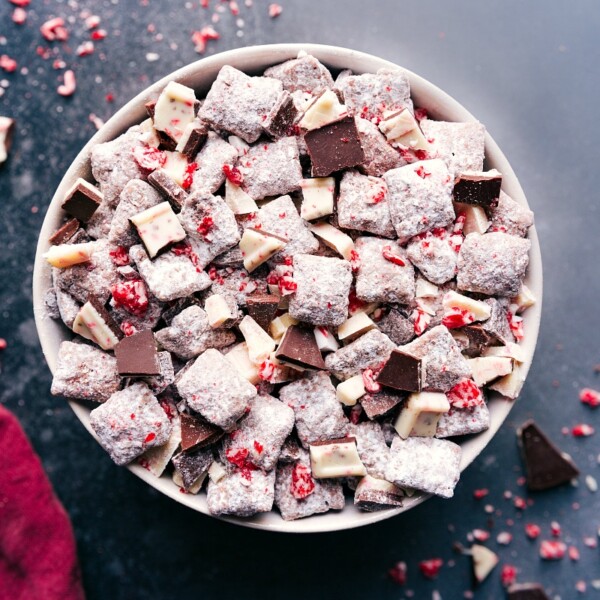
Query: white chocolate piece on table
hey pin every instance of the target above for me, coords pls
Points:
(158, 226)
(334, 238)
(349, 391)
(176, 166)
(174, 109)
(280, 325)
(355, 326)
(402, 128)
(258, 247)
(336, 458)
(476, 220)
(318, 195)
(524, 299)
(488, 368)
(480, 311)
(325, 109)
(260, 343)
(67, 255)
(89, 324)
(422, 402)
(238, 356)
(217, 310)
(326, 340)
(240, 202)
(511, 350)
(484, 561)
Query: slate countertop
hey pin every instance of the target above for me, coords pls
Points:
(526, 70)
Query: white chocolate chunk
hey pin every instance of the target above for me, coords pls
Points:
(325, 109)
(195, 487)
(216, 471)
(89, 324)
(377, 485)
(402, 128)
(318, 194)
(158, 226)
(426, 424)
(174, 109)
(488, 368)
(280, 325)
(476, 220)
(349, 391)
(238, 356)
(426, 289)
(6, 124)
(453, 301)
(337, 458)
(325, 340)
(240, 202)
(176, 167)
(258, 247)
(422, 402)
(510, 385)
(67, 255)
(260, 343)
(156, 459)
(239, 144)
(355, 326)
(149, 136)
(524, 299)
(334, 238)
(484, 561)
(511, 350)
(217, 310)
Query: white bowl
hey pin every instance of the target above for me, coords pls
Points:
(200, 75)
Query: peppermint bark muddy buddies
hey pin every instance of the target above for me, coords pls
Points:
(291, 289)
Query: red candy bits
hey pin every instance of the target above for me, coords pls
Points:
(552, 550)
(132, 296)
(398, 573)
(431, 568)
(303, 484)
(465, 394)
(590, 397)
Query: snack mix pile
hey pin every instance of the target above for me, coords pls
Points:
(293, 286)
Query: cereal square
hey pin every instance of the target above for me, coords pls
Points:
(211, 387)
(420, 197)
(240, 104)
(238, 283)
(305, 74)
(363, 204)
(425, 464)
(130, 422)
(380, 157)
(385, 273)
(319, 414)
(67, 306)
(271, 168)
(398, 327)
(159, 383)
(209, 176)
(463, 421)
(323, 288)
(492, 263)
(433, 255)
(511, 217)
(371, 446)
(85, 372)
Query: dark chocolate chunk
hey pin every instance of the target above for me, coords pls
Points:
(195, 140)
(526, 591)
(545, 465)
(334, 147)
(281, 119)
(82, 200)
(105, 316)
(172, 191)
(150, 108)
(482, 188)
(192, 465)
(381, 403)
(299, 347)
(230, 258)
(262, 308)
(166, 141)
(65, 232)
(197, 433)
(401, 372)
(497, 325)
(479, 339)
(137, 356)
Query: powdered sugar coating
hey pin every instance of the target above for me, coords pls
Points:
(433, 256)
(137, 322)
(169, 276)
(304, 73)
(209, 175)
(159, 383)
(445, 366)
(463, 421)
(420, 197)
(425, 464)
(397, 327)
(492, 263)
(211, 387)
(192, 465)
(130, 422)
(237, 103)
(510, 217)
(319, 415)
(497, 325)
(271, 168)
(85, 372)
(67, 306)
(379, 279)
(99, 224)
(363, 204)
(368, 351)
(380, 157)
(371, 446)
(238, 283)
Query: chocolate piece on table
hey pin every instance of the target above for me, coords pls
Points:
(401, 372)
(82, 200)
(172, 191)
(526, 591)
(197, 433)
(262, 308)
(381, 403)
(299, 347)
(334, 147)
(65, 232)
(137, 356)
(545, 465)
(478, 187)
(7, 126)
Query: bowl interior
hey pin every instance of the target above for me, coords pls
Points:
(200, 75)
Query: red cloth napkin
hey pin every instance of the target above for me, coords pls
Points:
(38, 558)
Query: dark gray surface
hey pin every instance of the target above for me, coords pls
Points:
(526, 70)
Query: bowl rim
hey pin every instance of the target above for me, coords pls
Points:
(255, 59)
